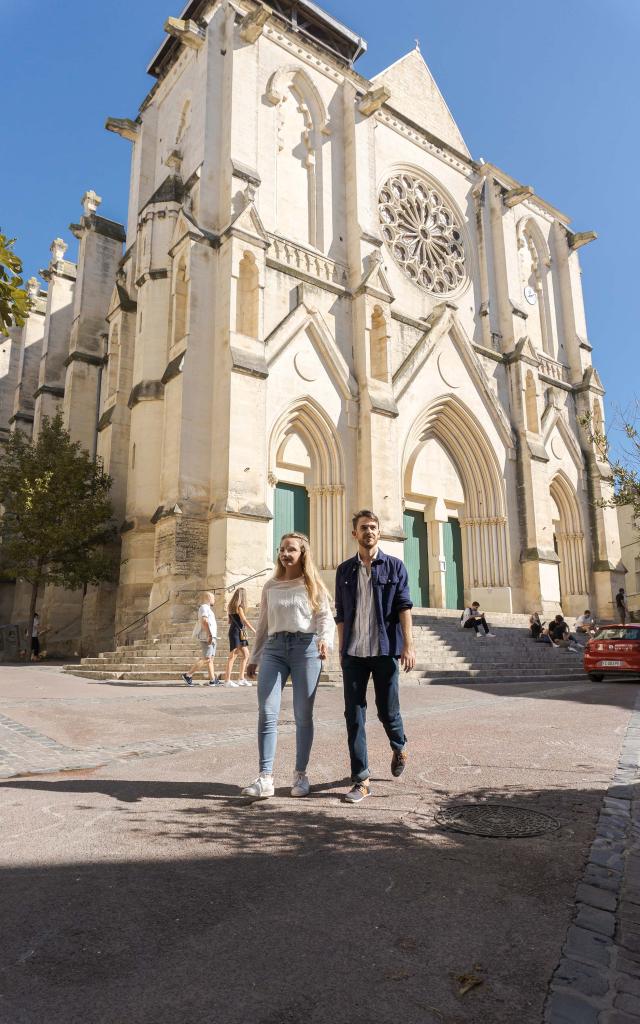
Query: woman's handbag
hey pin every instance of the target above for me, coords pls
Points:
(243, 635)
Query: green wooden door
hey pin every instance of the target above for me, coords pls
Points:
(416, 557)
(290, 512)
(454, 582)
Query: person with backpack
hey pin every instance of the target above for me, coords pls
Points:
(206, 631)
(473, 618)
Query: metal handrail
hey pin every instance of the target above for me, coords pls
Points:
(213, 590)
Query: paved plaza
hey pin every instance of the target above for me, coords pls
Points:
(140, 888)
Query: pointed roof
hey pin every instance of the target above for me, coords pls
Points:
(415, 94)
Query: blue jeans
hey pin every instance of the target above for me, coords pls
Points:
(285, 654)
(386, 678)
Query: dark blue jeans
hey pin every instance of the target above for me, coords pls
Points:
(355, 675)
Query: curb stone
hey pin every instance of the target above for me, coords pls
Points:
(597, 980)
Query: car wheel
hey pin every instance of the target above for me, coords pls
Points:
(596, 677)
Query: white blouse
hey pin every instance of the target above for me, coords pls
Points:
(285, 608)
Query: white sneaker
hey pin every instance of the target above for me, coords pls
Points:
(492, 634)
(300, 785)
(479, 636)
(261, 788)
(244, 682)
(232, 682)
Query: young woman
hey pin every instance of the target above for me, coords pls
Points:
(238, 640)
(294, 634)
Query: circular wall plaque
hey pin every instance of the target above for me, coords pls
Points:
(530, 295)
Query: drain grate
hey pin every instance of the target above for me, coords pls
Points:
(504, 821)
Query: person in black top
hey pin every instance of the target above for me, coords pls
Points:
(238, 637)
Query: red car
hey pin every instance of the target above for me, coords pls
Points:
(614, 649)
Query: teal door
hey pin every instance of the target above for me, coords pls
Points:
(416, 557)
(454, 583)
(290, 512)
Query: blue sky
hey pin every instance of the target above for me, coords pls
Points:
(548, 92)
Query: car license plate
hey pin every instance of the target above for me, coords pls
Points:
(610, 664)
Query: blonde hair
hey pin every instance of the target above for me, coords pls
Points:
(208, 596)
(238, 600)
(316, 589)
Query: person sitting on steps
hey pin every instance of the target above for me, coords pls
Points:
(535, 625)
(473, 618)
(585, 623)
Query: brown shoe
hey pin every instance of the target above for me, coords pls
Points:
(359, 792)
(398, 762)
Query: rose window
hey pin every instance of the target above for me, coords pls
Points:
(423, 233)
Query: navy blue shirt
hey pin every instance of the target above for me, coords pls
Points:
(390, 584)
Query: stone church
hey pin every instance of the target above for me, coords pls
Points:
(320, 301)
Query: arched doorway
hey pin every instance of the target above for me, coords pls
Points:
(307, 476)
(451, 477)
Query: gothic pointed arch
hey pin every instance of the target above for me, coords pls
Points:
(483, 518)
(305, 422)
(535, 272)
(569, 538)
(301, 124)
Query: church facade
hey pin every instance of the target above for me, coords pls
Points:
(320, 302)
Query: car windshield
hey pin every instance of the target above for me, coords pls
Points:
(618, 633)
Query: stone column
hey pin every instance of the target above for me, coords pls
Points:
(60, 276)
(378, 481)
(30, 355)
(100, 251)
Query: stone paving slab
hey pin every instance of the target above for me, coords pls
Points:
(598, 977)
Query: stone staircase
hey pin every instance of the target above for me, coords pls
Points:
(444, 653)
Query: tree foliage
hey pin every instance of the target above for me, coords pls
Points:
(626, 466)
(56, 516)
(14, 300)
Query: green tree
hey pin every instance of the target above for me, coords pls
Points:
(14, 300)
(625, 467)
(56, 514)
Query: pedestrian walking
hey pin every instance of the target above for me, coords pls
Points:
(622, 608)
(35, 637)
(373, 613)
(238, 637)
(473, 618)
(294, 634)
(206, 631)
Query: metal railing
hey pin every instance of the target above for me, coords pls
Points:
(213, 590)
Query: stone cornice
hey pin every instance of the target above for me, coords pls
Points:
(106, 417)
(77, 356)
(49, 389)
(146, 391)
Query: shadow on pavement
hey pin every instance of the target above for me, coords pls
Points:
(289, 912)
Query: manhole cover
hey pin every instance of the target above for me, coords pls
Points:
(504, 821)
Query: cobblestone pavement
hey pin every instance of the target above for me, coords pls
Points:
(598, 978)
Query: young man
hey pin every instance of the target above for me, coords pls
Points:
(621, 606)
(584, 622)
(205, 631)
(473, 618)
(373, 615)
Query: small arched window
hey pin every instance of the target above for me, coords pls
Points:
(180, 302)
(248, 297)
(531, 403)
(379, 345)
